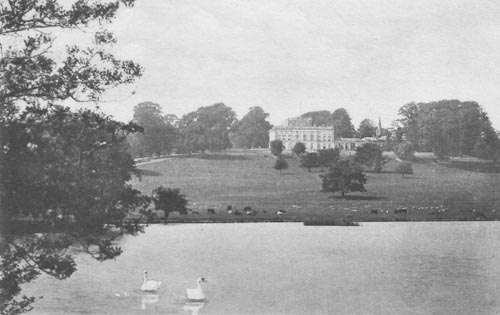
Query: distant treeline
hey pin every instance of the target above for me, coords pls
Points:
(447, 128)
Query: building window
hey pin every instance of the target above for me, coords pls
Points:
(305, 137)
(312, 137)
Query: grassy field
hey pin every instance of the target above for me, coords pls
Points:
(455, 190)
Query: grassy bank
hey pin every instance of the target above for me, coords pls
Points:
(455, 190)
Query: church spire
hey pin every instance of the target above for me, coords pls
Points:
(379, 128)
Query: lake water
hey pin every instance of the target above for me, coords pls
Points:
(288, 268)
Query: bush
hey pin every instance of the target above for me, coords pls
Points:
(277, 147)
(405, 151)
(299, 148)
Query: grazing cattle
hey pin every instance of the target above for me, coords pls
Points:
(237, 212)
(280, 212)
(401, 211)
(229, 208)
(373, 211)
(210, 211)
(247, 209)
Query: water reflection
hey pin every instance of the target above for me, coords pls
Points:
(148, 299)
(193, 307)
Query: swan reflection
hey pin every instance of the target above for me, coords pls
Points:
(193, 307)
(148, 299)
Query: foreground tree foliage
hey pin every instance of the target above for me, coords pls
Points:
(344, 176)
(206, 129)
(159, 136)
(63, 173)
(252, 131)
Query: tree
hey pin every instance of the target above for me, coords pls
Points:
(410, 122)
(320, 118)
(447, 127)
(344, 176)
(404, 168)
(206, 129)
(405, 151)
(159, 136)
(367, 128)
(309, 160)
(252, 130)
(299, 148)
(343, 127)
(68, 170)
(280, 163)
(277, 147)
(370, 155)
(327, 157)
(169, 200)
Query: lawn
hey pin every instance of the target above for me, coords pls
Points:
(436, 191)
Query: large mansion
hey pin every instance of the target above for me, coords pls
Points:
(301, 129)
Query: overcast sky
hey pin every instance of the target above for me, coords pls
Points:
(289, 57)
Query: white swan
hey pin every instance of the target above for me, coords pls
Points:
(149, 285)
(196, 294)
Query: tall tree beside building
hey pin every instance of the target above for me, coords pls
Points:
(367, 128)
(252, 131)
(319, 118)
(343, 127)
(206, 129)
(159, 136)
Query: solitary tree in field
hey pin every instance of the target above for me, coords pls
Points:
(169, 200)
(344, 176)
(299, 148)
(277, 147)
(280, 164)
(404, 168)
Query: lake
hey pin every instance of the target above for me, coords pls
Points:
(288, 268)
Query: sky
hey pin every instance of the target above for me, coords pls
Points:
(290, 57)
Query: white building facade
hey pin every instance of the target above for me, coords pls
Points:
(301, 130)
